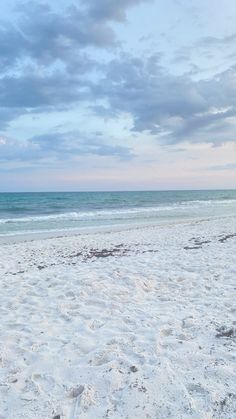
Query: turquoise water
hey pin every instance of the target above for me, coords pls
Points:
(38, 212)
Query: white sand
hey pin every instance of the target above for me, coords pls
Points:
(147, 332)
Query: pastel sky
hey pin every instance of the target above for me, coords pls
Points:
(117, 95)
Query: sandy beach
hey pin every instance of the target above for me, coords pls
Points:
(136, 323)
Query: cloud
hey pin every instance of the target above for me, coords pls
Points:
(12, 45)
(212, 41)
(46, 65)
(229, 166)
(208, 47)
(111, 9)
(2, 140)
(8, 114)
(46, 36)
(72, 144)
(44, 57)
(60, 146)
(173, 108)
(33, 90)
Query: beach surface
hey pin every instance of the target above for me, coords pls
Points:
(138, 323)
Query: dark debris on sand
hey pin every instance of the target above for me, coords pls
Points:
(224, 332)
(197, 242)
(229, 236)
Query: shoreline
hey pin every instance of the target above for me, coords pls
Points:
(18, 237)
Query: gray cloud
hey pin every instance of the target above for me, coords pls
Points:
(12, 45)
(77, 144)
(212, 41)
(111, 9)
(58, 146)
(229, 166)
(9, 114)
(45, 36)
(174, 108)
(33, 90)
(43, 55)
(207, 47)
(50, 68)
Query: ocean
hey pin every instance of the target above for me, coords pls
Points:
(22, 213)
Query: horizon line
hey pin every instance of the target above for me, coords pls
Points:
(122, 190)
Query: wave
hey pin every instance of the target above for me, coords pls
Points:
(74, 216)
(117, 212)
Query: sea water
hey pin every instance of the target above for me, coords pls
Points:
(22, 213)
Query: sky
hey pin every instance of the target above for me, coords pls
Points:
(117, 95)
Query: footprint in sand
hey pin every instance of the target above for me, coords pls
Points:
(197, 388)
(96, 324)
(167, 332)
(84, 397)
(100, 358)
(70, 294)
(75, 391)
(44, 383)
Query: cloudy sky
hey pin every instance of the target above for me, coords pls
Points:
(117, 94)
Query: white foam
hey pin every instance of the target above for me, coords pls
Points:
(116, 213)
